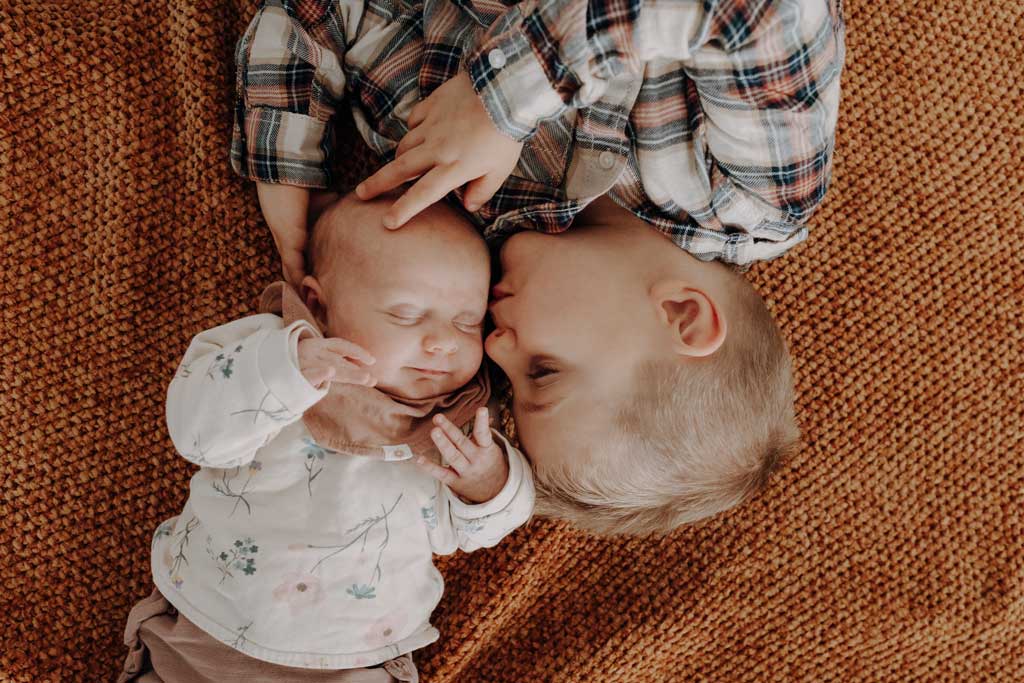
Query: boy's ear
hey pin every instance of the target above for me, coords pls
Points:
(694, 318)
(312, 294)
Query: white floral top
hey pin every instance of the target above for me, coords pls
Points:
(292, 553)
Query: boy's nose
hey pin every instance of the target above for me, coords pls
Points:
(500, 345)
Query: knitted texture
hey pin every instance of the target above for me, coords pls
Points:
(888, 549)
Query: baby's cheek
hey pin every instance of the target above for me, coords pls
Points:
(475, 356)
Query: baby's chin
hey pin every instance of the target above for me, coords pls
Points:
(423, 388)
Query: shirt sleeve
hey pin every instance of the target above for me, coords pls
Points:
(455, 524)
(766, 73)
(238, 385)
(543, 56)
(768, 85)
(290, 82)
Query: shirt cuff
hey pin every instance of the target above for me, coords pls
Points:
(507, 493)
(512, 83)
(279, 368)
(276, 146)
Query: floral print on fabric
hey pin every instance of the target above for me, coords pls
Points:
(239, 557)
(299, 591)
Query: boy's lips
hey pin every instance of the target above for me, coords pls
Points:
(499, 321)
(499, 292)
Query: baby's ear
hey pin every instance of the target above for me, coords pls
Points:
(692, 316)
(312, 294)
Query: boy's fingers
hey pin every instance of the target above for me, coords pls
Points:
(455, 459)
(482, 429)
(481, 190)
(445, 475)
(418, 113)
(429, 189)
(412, 139)
(393, 174)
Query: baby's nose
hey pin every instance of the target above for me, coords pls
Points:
(440, 342)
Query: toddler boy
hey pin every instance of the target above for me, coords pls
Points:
(712, 123)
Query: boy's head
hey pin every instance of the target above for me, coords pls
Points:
(650, 389)
(415, 298)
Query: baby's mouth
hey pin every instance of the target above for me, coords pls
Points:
(432, 373)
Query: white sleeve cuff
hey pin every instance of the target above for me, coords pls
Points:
(279, 367)
(516, 466)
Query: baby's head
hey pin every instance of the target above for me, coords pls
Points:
(650, 389)
(415, 298)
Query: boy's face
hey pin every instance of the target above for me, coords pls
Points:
(415, 298)
(573, 321)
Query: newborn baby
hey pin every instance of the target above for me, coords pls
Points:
(327, 430)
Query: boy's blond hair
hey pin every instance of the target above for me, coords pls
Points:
(695, 438)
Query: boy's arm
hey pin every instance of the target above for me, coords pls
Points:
(286, 210)
(767, 76)
(237, 386)
(290, 83)
(769, 92)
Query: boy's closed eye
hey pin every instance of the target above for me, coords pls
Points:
(542, 371)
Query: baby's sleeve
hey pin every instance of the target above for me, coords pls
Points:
(290, 83)
(454, 524)
(238, 385)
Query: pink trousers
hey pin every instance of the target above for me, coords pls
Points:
(165, 647)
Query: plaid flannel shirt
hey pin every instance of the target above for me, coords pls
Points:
(712, 120)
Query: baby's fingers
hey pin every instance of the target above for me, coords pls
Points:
(317, 376)
(452, 455)
(445, 475)
(455, 435)
(354, 376)
(349, 350)
(482, 429)
(343, 370)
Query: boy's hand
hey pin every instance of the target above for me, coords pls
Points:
(476, 471)
(334, 360)
(451, 142)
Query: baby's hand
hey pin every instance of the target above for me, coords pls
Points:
(451, 142)
(334, 360)
(476, 471)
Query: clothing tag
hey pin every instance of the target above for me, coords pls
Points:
(397, 452)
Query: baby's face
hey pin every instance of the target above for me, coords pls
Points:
(415, 298)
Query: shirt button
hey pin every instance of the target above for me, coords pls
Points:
(496, 57)
(607, 160)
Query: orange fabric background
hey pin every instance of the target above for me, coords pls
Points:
(888, 550)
